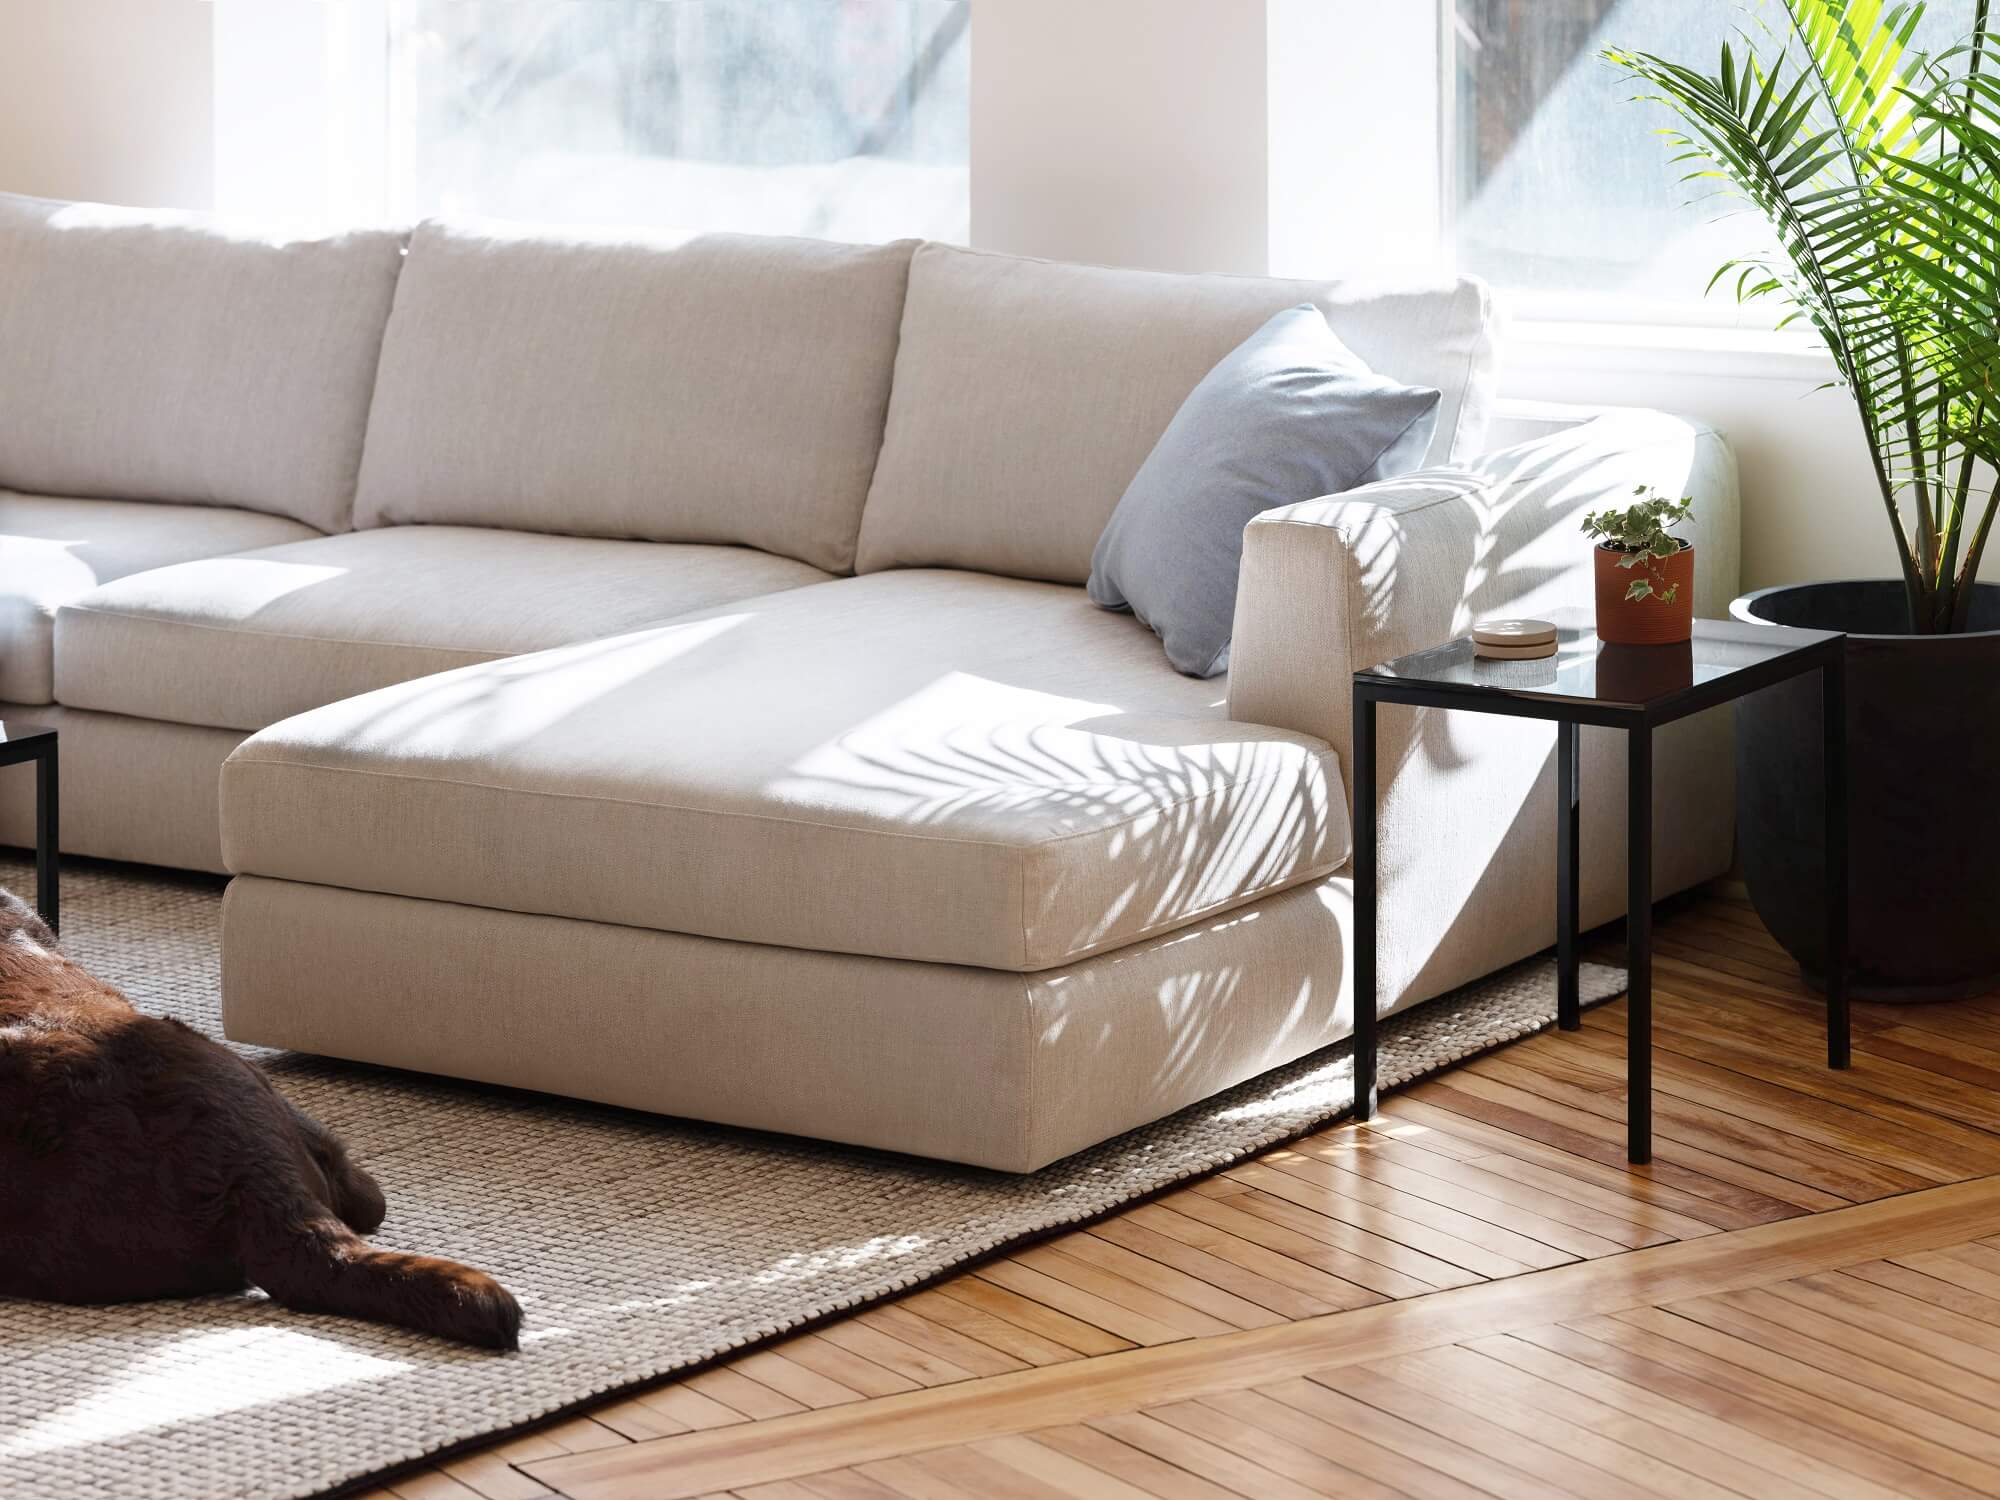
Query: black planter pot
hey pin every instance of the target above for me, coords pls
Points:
(1923, 736)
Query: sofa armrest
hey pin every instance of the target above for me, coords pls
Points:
(1330, 586)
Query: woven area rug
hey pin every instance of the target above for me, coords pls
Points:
(637, 1245)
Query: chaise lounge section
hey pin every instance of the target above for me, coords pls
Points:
(691, 702)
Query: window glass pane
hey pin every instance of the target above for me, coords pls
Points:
(1558, 182)
(841, 118)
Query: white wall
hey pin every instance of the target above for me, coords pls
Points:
(1102, 132)
(108, 100)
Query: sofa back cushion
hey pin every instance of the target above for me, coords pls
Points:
(718, 388)
(153, 356)
(1029, 392)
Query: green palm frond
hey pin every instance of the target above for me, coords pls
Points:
(1878, 169)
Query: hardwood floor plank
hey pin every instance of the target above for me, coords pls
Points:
(1056, 1469)
(870, 1340)
(1063, 1294)
(1384, 1225)
(1828, 1110)
(1859, 1408)
(847, 1484)
(925, 1331)
(1977, 1315)
(1440, 1414)
(1604, 1437)
(1340, 1249)
(1343, 1414)
(971, 1472)
(1264, 1422)
(1857, 1345)
(1232, 1471)
(901, 1476)
(633, 1419)
(1608, 1230)
(964, 1316)
(1649, 1188)
(1131, 1465)
(1045, 1320)
(694, 1410)
(776, 1369)
(1526, 1234)
(844, 1367)
(1706, 1136)
(1021, 1402)
(1161, 1276)
(1756, 1194)
(737, 1391)
(1723, 1451)
(432, 1484)
(1196, 1252)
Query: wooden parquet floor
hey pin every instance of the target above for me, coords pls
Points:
(1470, 1295)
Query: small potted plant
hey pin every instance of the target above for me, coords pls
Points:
(1645, 574)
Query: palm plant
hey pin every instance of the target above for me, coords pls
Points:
(1878, 166)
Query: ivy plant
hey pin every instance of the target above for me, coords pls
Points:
(1642, 533)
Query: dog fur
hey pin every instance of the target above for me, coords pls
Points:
(139, 1159)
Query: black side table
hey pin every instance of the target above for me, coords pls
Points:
(21, 742)
(1636, 689)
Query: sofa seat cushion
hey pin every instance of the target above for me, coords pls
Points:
(241, 642)
(923, 765)
(53, 550)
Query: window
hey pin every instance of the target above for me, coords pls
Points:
(1556, 186)
(847, 119)
(839, 118)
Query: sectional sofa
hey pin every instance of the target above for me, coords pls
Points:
(656, 670)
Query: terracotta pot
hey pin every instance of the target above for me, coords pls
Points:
(1651, 621)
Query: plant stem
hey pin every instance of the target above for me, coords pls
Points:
(1966, 585)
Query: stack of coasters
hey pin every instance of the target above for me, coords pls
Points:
(1513, 640)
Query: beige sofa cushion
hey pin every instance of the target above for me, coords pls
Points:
(153, 356)
(239, 642)
(53, 550)
(1028, 393)
(724, 388)
(1009, 1071)
(919, 765)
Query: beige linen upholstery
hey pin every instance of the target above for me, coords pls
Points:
(1001, 1070)
(723, 388)
(156, 356)
(1467, 821)
(240, 642)
(132, 789)
(53, 550)
(1028, 393)
(931, 766)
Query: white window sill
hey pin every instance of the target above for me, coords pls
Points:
(1538, 345)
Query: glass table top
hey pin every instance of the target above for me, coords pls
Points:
(1587, 670)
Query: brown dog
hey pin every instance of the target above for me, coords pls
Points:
(139, 1159)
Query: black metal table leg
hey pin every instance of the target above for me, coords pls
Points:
(1569, 1003)
(1364, 906)
(1833, 715)
(1639, 945)
(48, 841)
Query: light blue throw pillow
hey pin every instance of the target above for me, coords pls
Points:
(1291, 414)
